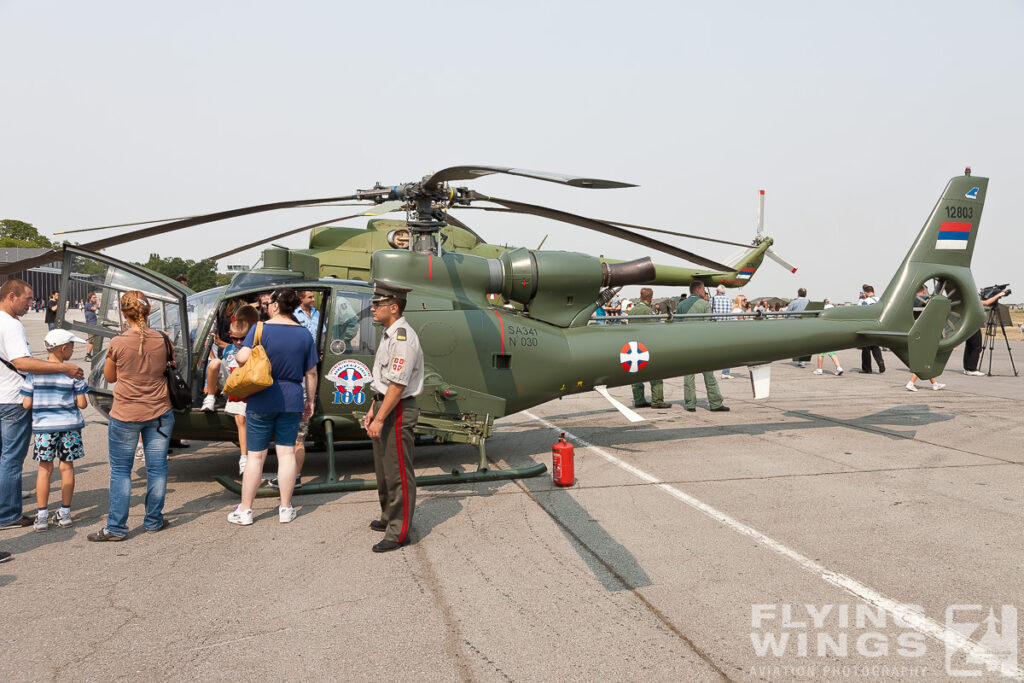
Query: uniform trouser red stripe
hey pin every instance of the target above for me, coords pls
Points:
(393, 463)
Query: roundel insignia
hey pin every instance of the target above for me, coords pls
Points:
(634, 356)
(349, 378)
(338, 346)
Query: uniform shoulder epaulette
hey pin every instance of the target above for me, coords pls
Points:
(400, 334)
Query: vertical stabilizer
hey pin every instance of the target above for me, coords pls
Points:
(940, 260)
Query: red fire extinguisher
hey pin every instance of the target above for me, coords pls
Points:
(562, 470)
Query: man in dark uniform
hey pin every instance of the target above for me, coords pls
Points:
(397, 380)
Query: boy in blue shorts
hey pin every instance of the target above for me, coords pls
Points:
(56, 402)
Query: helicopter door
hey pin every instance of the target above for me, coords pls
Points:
(350, 343)
(86, 273)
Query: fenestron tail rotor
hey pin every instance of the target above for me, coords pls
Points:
(950, 290)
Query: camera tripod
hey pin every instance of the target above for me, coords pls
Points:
(994, 318)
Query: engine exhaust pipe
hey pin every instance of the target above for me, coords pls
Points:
(628, 273)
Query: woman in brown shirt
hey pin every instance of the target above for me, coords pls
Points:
(136, 361)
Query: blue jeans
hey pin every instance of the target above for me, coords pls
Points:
(122, 437)
(15, 433)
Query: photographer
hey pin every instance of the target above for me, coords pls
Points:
(972, 348)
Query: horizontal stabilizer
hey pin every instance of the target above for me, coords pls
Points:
(760, 379)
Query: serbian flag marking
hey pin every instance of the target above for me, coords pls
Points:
(634, 356)
(745, 273)
(953, 236)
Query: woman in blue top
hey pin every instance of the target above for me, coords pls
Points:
(274, 413)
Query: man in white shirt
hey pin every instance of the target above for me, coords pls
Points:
(16, 422)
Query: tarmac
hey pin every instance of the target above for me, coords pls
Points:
(841, 521)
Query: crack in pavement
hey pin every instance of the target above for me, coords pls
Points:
(453, 635)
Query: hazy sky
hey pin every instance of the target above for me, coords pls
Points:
(852, 116)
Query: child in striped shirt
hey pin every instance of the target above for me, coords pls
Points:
(56, 402)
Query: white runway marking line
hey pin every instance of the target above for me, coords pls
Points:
(909, 616)
(630, 415)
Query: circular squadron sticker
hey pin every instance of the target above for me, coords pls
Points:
(349, 378)
(634, 356)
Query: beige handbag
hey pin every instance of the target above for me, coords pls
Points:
(254, 376)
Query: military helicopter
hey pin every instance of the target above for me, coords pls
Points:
(484, 361)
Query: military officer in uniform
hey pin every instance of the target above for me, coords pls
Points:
(397, 380)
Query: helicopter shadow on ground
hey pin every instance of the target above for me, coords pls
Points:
(352, 463)
(7, 579)
(611, 563)
(882, 423)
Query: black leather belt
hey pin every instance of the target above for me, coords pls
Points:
(380, 397)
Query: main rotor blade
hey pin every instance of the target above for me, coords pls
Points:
(217, 257)
(470, 172)
(627, 225)
(376, 210)
(607, 229)
(207, 218)
(25, 264)
(53, 255)
(452, 220)
(679, 234)
(181, 218)
(121, 225)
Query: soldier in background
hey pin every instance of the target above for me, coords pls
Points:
(643, 307)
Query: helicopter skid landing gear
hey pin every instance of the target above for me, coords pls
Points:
(333, 485)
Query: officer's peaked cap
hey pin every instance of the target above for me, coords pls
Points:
(383, 290)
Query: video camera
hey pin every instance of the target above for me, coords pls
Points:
(989, 292)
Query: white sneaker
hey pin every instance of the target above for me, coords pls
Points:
(839, 372)
(286, 514)
(241, 465)
(818, 371)
(209, 403)
(974, 373)
(140, 452)
(726, 376)
(64, 518)
(802, 364)
(938, 387)
(240, 517)
(911, 387)
(42, 523)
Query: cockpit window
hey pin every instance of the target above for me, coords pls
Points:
(352, 325)
(399, 239)
(201, 308)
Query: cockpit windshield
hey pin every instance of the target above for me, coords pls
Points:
(201, 307)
